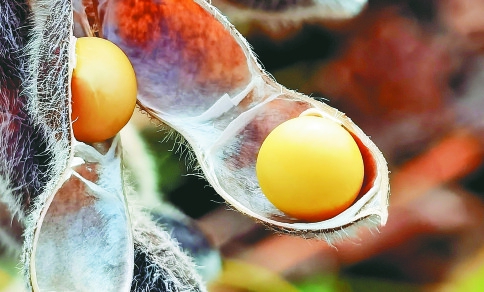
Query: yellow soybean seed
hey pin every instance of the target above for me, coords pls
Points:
(103, 88)
(310, 168)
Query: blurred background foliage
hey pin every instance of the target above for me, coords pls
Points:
(410, 73)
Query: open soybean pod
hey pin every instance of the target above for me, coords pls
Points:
(197, 74)
(69, 196)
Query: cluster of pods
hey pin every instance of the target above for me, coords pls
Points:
(194, 73)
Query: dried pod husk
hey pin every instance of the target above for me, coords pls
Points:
(10, 233)
(79, 234)
(197, 74)
(160, 265)
(83, 239)
(13, 117)
(24, 158)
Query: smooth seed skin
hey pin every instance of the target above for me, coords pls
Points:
(103, 88)
(310, 168)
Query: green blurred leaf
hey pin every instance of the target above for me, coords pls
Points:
(472, 281)
(249, 277)
(323, 283)
(379, 285)
(7, 273)
(170, 165)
